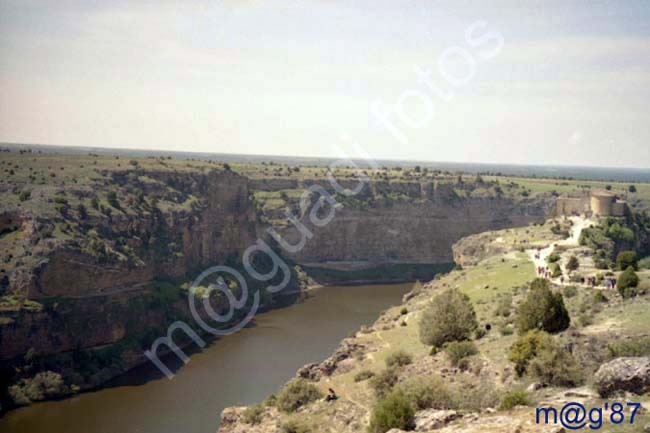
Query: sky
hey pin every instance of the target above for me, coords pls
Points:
(550, 82)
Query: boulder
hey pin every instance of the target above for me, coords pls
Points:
(624, 374)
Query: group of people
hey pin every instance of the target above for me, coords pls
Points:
(544, 272)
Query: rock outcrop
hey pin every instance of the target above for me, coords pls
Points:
(624, 374)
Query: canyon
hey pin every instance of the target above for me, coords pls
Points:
(97, 261)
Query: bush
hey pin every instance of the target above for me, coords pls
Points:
(553, 258)
(599, 297)
(556, 270)
(363, 375)
(458, 350)
(542, 309)
(554, 366)
(526, 348)
(111, 197)
(627, 283)
(450, 317)
(253, 414)
(644, 263)
(570, 291)
(394, 411)
(24, 195)
(296, 394)
(573, 263)
(384, 382)
(428, 393)
(403, 311)
(625, 259)
(514, 398)
(504, 306)
(293, 426)
(635, 347)
(398, 359)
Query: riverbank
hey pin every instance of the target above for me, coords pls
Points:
(496, 275)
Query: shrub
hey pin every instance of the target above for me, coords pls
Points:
(384, 382)
(554, 366)
(625, 259)
(570, 291)
(403, 311)
(363, 375)
(556, 270)
(296, 394)
(293, 426)
(526, 348)
(573, 263)
(631, 188)
(514, 398)
(253, 414)
(627, 283)
(398, 358)
(504, 306)
(599, 297)
(450, 317)
(428, 393)
(644, 263)
(394, 411)
(553, 258)
(458, 350)
(111, 197)
(635, 347)
(472, 397)
(24, 195)
(542, 309)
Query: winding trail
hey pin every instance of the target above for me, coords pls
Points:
(579, 224)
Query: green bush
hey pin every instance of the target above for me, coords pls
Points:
(450, 317)
(644, 263)
(504, 306)
(556, 270)
(573, 263)
(599, 297)
(627, 283)
(394, 411)
(398, 358)
(553, 258)
(458, 350)
(570, 291)
(363, 375)
(526, 348)
(24, 195)
(625, 259)
(293, 426)
(554, 366)
(403, 311)
(542, 309)
(635, 347)
(296, 394)
(384, 382)
(428, 393)
(253, 414)
(514, 398)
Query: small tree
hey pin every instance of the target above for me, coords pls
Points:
(449, 317)
(625, 259)
(632, 188)
(395, 411)
(296, 394)
(572, 264)
(542, 309)
(627, 283)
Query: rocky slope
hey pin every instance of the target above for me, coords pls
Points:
(473, 397)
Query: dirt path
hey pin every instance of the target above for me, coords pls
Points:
(579, 224)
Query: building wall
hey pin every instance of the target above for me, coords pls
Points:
(570, 205)
(601, 205)
(618, 208)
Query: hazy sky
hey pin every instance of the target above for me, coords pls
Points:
(553, 82)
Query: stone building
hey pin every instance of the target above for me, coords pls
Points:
(598, 203)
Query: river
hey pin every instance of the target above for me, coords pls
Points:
(242, 368)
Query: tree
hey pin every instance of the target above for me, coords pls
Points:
(572, 264)
(83, 212)
(627, 283)
(631, 188)
(542, 309)
(625, 259)
(449, 317)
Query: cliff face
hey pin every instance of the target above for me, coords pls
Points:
(410, 232)
(87, 301)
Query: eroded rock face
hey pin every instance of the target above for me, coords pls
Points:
(346, 350)
(624, 374)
